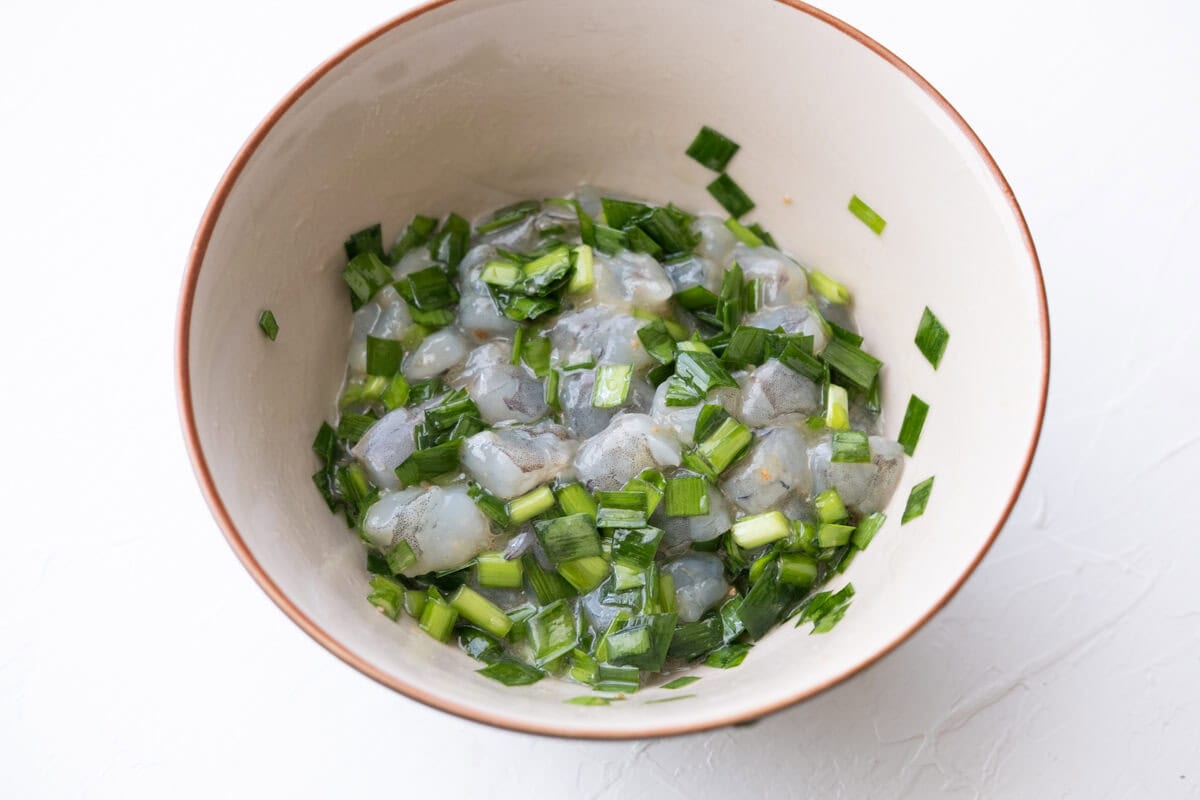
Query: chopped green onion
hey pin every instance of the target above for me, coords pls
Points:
(621, 509)
(831, 534)
(825, 610)
(725, 445)
(568, 538)
(591, 362)
(400, 557)
(429, 463)
(368, 240)
(353, 427)
(681, 392)
(396, 393)
(612, 385)
(383, 357)
(352, 483)
(758, 231)
(731, 623)
(509, 215)
(428, 289)
(584, 669)
(931, 338)
(658, 341)
(830, 507)
(850, 447)
(550, 395)
(693, 346)
(619, 213)
(686, 497)
(747, 346)
(743, 234)
(828, 288)
(325, 442)
(321, 478)
(365, 275)
(511, 672)
(703, 370)
(730, 304)
(432, 318)
(478, 610)
(573, 498)
(635, 547)
(731, 197)
(450, 244)
(837, 407)
(649, 483)
(868, 216)
(386, 595)
(759, 529)
(844, 334)
(642, 642)
(728, 657)
(762, 605)
(918, 498)
(867, 529)
(858, 366)
(847, 559)
(609, 240)
(802, 363)
(584, 573)
(667, 230)
(680, 682)
(583, 278)
(527, 506)
(797, 569)
(438, 617)
(496, 571)
(592, 700)
(479, 645)
(546, 270)
(914, 422)
(414, 603)
(493, 507)
(712, 149)
(518, 343)
(640, 242)
(365, 392)
(415, 234)
(695, 297)
(694, 639)
(611, 678)
(760, 564)
(546, 586)
(268, 325)
(504, 274)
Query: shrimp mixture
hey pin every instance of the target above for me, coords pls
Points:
(602, 439)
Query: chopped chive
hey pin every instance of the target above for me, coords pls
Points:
(366, 392)
(868, 216)
(621, 509)
(386, 595)
(504, 274)
(729, 304)
(826, 610)
(679, 683)
(708, 421)
(591, 362)
(450, 244)
(830, 289)
(353, 427)
(731, 196)
(493, 507)
(731, 623)
(743, 234)
(430, 462)
(642, 641)
(858, 366)
(619, 213)
(414, 603)
(914, 421)
(568, 538)
(583, 278)
(635, 547)
(415, 234)
(867, 529)
(703, 370)
(649, 483)
(324, 443)
(612, 385)
(693, 639)
(712, 149)
(801, 362)
(725, 445)
(747, 346)
(400, 557)
(762, 606)
(845, 335)
(592, 700)
(759, 529)
(478, 610)
(551, 392)
(268, 325)
(681, 392)
(587, 225)
(438, 617)
(529, 505)
(837, 407)
(496, 571)
(658, 341)
(640, 242)
(693, 346)
(761, 563)
(848, 557)
(931, 338)
(368, 240)
(546, 586)
(831, 534)
(728, 656)
(609, 240)
(479, 645)
(432, 318)
(758, 231)
(918, 498)
(511, 672)
(830, 507)
(573, 498)
(797, 569)
(612, 678)
(660, 373)
(584, 669)
(686, 497)
(518, 342)
(383, 357)
(850, 447)
(428, 289)
(553, 632)
(321, 479)
(545, 270)
(365, 275)
(668, 230)
(584, 573)
(695, 297)
(396, 393)
(509, 215)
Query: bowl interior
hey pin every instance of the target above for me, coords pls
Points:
(475, 103)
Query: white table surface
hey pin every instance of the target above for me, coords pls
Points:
(138, 659)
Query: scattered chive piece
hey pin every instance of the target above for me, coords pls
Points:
(619, 213)
(612, 385)
(696, 297)
(386, 595)
(324, 443)
(450, 244)
(621, 509)
(914, 421)
(844, 334)
(400, 557)
(509, 215)
(527, 506)
(804, 363)
(612, 678)
(858, 366)
(731, 197)
(658, 341)
(428, 463)
(759, 529)
(832, 534)
(679, 683)
(535, 352)
(584, 573)
(414, 603)
(694, 639)
(918, 498)
(437, 617)
(383, 357)
(703, 370)
(850, 447)
(743, 234)
(848, 557)
(479, 645)
(568, 538)
(712, 149)
(478, 610)
(511, 672)
(493, 507)
(830, 507)
(368, 240)
(686, 497)
(415, 234)
(495, 571)
(867, 529)
(825, 610)
(504, 274)
(551, 393)
(830, 289)
(268, 325)
(728, 657)
(396, 393)
(366, 274)
(546, 586)
(931, 338)
(635, 547)
(573, 498)
(353, 427)
(747, 346)
(583, 278)
(428, 289)
(669, 699)
(725, 445)
(609, 240)
(797, 569)
(642, 642)
(591, 700)
(837, 408)
(867, 214)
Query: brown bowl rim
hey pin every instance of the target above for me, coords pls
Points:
(234, 537)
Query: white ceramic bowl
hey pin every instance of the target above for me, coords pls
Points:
(468, 104)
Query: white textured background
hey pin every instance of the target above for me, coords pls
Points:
(138, 659)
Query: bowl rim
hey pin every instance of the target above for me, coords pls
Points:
(217, 507)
